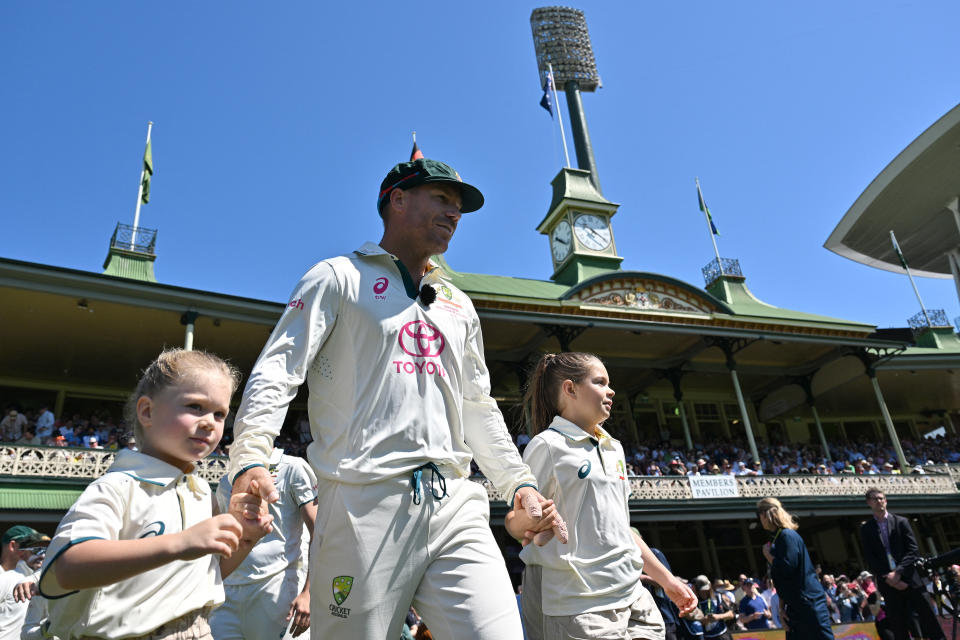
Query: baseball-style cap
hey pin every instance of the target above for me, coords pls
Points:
(701, 583)
(22, 534)
(407, 175)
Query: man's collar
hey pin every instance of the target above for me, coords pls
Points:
(144, 468)
(374, 249)
(885, 515)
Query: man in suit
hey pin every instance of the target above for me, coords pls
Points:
(891, 551)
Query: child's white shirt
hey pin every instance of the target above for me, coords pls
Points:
(599, 568)
(139, 496)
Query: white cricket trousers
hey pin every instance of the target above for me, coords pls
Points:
(257, 610)
(375, 552)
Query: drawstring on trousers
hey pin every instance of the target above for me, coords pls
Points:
(435, 478)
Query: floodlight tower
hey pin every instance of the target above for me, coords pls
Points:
(562, 42)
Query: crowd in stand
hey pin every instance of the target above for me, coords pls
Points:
(101, 430)
(732, 457)
(753, 603)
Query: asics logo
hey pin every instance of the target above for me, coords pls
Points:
(584, 470)
(380, 285)
(421, 340)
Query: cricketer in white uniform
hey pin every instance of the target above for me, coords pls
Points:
(260, 591)
(139, 496)
(399, 404)
(599, 569)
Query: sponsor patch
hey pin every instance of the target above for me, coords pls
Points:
(584, 469)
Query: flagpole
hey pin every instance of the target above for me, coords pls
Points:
(136, 215)
(903, 261)
(563, 136)
(706, 216)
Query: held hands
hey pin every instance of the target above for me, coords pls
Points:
(299, 613)
(257, 482)
(536, 519)
(893, 579)
(251, 513)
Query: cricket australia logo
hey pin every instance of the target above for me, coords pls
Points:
(341, 590)
(421, 340)
(447, 293)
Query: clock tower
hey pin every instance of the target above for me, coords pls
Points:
(578, 226)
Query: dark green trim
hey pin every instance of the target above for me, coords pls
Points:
(525, 484)
(408, 284)
(245, 469)
(51, 563)
(139, 479)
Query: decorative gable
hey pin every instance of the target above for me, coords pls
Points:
(646, 293)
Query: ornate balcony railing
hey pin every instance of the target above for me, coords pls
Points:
(932, 318)
(756, 487)
(73, 463)
(80, 464)
(139, 239)
(723, 267)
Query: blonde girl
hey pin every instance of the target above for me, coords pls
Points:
(590, 587)
(140, 554)
(803, 604)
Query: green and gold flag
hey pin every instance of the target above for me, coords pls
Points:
(147, 174)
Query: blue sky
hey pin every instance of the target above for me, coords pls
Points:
(275, 123)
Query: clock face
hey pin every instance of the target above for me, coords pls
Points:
(561, 241)
(592, 231)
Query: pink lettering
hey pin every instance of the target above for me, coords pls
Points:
(408, 367)
(398, 363)
(296, 304)
(424, 368)
(431, 368)
(419, 366)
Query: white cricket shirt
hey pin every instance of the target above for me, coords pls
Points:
(282, 547)
(393, 383)
(139, 496)
(599, 568)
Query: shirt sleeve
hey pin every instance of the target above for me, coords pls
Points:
(96, 515)
(537, 455)
(484, 429)
(302, 483)
(283, 366)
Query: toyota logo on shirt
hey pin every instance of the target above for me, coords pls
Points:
(421, 340)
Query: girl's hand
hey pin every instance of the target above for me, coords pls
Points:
(219, 534)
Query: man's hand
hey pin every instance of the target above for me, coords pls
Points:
(783, 618)
(680, 594)
(299, 613)
(267, 490)
(25, 590)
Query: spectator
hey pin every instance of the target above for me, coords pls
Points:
(12, 425)
(712, 616)
(45, 422)
(29, 438)
(753, 610)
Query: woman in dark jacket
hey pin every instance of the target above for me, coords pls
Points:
(803, 604)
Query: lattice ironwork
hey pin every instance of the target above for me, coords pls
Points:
(932, 318)
(139, 239)
(561, 39)
(80, 463)
(723, 267)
